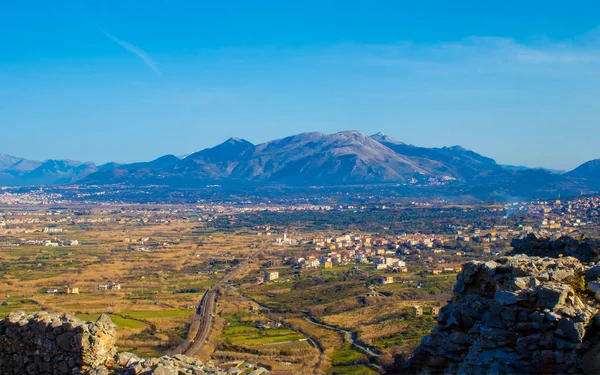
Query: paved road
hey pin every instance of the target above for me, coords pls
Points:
(206, 308)
(349, 336)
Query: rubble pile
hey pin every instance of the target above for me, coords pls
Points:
(555, 245)
(130, 364)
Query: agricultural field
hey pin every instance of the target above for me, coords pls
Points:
(354, 309)
(246, 334)
(149, 276)
(250, 332)
(349, 361)
(162, 269)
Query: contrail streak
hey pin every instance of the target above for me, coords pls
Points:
(139, 53)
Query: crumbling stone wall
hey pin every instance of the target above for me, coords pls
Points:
(43, 343)
(515, 315)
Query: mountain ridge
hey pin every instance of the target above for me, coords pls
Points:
(20, 171)
(312, 159)
(588, 170)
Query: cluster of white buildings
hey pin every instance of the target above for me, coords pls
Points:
(346, 257)
(33, 198)
(382, 263)
(558, 214)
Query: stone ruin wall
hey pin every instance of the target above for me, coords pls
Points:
(43, 343)
(535, 312)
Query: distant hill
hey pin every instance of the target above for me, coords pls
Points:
(316, 159)
(589, 171)
(522, 168)
(19, 171)
(7, 161)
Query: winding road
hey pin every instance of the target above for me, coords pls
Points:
(348, 335)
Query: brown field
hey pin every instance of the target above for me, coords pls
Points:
(165, 268)
(159, 288)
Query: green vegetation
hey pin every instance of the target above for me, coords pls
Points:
(349, 361)
(156, 314)
(352, 370)
(577, 282)
(118, 320)
(246, 334)
(14, 304)
(409, 219)
(258, 337)
(318, 287)
(413, 330)
(348, 357)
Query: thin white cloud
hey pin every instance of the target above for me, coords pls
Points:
(477, 49)
(139, 53)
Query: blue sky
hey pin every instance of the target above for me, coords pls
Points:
(124, 81)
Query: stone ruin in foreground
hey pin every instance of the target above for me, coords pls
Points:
(533, 312)
(43, 343)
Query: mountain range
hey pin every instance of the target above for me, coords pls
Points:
(16, 171)
(308, 159)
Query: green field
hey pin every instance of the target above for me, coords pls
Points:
(345, 357)
(239, 333)
(349, 361)
(413, 331)
(250, 336)
(156, 314)
(351, 370)
(19, 305)
(119, 321)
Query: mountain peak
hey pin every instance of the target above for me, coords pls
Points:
(456, 148)
(236, 139)
(350, 133)
(384, 138)
(7, 160)
(230, 148)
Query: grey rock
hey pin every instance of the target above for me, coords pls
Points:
(551, 295)
(553, 317)
(593, 274)
(570, 330)
(101, 370)
(506, 298)
(544, 276)
(520, 283)
(126, 359)
(594, 286)
(491, 265)
(537, 316)
(508, 314)
(164, 370)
